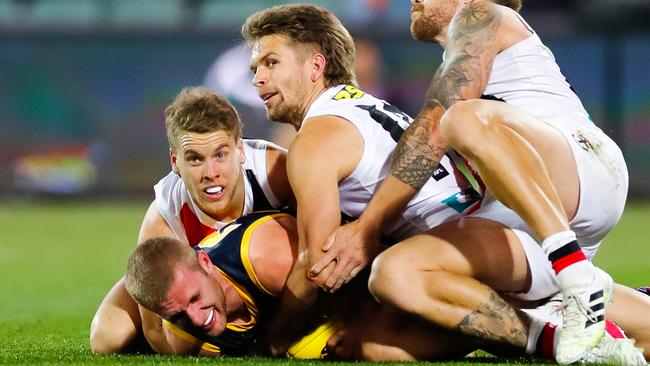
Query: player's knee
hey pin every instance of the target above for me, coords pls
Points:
(465, 123)
(387, 276)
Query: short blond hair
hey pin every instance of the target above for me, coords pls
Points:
(200, 110)
(311, 26)
(512, 4)
(150, 269)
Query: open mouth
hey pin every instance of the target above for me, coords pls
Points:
(207, 324)
(213, 190)
(267, 96)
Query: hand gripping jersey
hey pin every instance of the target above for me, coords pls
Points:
(186, 219)
(228, 249)
(451, 191)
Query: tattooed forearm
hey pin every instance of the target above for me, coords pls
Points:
(463, 75)
(496, 321)
(416, 157)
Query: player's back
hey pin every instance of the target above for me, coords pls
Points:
(527, 76)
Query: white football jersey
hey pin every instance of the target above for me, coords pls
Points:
(526, 76)
(447, 194)
(191, 224)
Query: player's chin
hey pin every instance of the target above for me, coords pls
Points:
(218, 328)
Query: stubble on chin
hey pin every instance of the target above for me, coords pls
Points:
(289, 115)
(424, 29)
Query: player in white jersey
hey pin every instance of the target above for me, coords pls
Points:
(216, 178)
(537, 152)
(189, 222)
(344, 141)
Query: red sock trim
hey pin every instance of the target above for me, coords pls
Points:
(614, 330)
(570, 259)
(547, 341)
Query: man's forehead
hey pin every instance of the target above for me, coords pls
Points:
(193, 140)
(272, 43)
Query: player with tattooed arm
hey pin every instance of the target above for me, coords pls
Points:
(555, 183)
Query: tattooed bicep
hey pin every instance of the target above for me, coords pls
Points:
(472, 45)
(475, 22)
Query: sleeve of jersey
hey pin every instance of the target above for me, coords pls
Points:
(169, 202)
(255, 151)
(205, 346)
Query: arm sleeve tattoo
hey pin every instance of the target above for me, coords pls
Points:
(463, 75)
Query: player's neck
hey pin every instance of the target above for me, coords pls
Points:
(315, 91)
(236, 311)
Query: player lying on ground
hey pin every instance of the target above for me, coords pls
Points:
(216, 177)
(218, 298)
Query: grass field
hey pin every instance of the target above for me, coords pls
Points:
(58, 260)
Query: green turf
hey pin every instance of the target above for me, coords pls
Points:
(58, 260)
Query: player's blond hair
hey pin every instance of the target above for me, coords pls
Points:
(312, 26)
(150, 269)
(512, 4)
(200, 110)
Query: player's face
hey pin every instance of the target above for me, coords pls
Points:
(195, 301)
(429, 18)
(210, 165)
(281, 72)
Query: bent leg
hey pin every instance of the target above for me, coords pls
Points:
(116, 326)
(449, 277)
(630, 310)
(394, 336)
(527, 164)
(530, 166)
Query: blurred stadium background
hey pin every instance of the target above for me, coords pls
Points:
(83, 86)
(83, 83)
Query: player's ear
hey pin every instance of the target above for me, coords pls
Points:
(173, 160)
(318, 66)
(240, 148)
(204, 260)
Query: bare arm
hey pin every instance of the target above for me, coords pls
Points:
(471, 48)
(276, 171)
(154, 225)
(472, 45)
(326, 150)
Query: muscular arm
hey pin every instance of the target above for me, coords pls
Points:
(471, 45)
(154, 225)
(119, 320)
(326, 150)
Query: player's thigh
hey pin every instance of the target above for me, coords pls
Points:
(475, 247)
(547, 141)
(629, 309)
(117, 320)
(394, 336)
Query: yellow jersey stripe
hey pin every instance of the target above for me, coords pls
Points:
(245, 244)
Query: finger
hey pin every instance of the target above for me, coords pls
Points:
(321, 279)
(329, 242)
(339, 276)
(334, 275)
(318, 267)
(354, 272)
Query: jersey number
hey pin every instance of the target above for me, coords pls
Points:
(389, 117)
